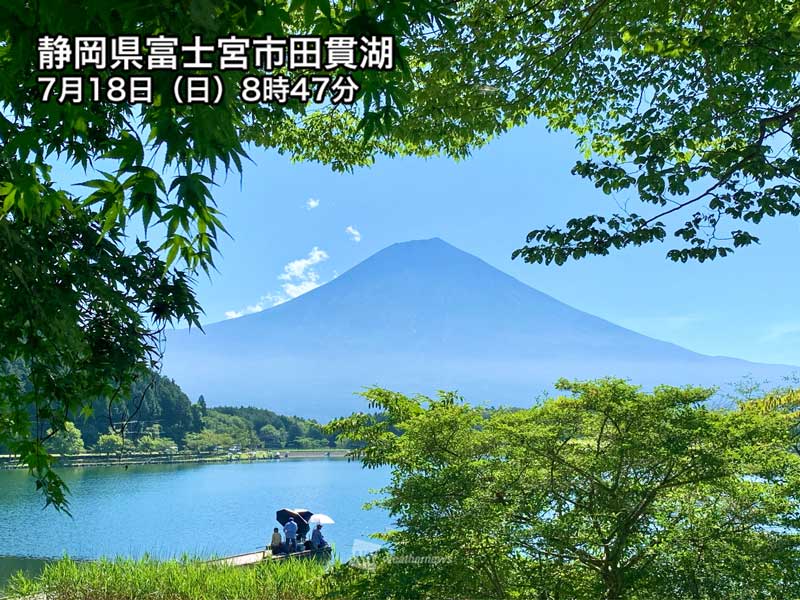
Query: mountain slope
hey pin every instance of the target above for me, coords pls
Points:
(420, 316)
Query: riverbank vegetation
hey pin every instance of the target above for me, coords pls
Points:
(606, 492)
(188, 579)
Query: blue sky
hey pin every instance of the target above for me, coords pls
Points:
(295, 226)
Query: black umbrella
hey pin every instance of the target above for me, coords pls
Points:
(304, 512)
(283, 516)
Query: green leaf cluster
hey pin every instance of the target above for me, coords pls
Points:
(687, 114)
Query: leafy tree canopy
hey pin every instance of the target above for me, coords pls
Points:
(607, 492)
(81, 307)
(687, 114)
(238, 429)
(110, 443)
(207, 440)
(272, 436)
(150, 443)
(67, 440)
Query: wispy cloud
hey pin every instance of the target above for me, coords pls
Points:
(265, 301)
(299, 276)
(312, 203)
(354, 233)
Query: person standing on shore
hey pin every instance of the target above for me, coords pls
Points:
(290, 529)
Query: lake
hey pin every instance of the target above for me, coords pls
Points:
(169, 510)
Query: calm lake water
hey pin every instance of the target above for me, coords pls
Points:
(167, 510)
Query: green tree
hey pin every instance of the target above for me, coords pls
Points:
(66, 441)
(153, 431)
(207, 440)
(152, 440)
(309, 442)
(109, 443)
(289, 428)
(147, 443)
(238, 429)
(607, 492)
(82, 318)
(175, 413)
(272, 437)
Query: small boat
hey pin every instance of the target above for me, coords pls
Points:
(323, 553)
(301, 517)
(253, 558)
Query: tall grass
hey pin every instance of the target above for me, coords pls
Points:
(187, 579)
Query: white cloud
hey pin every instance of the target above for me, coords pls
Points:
(300, 274)
(264, 302)
(312, 203)
(299, 277)
(302, 267)
(293, 290)
(354, 233)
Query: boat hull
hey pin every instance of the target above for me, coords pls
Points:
(254, 558)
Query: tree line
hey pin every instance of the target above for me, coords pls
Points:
(157, 416)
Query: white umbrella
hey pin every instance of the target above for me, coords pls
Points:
(321, 519)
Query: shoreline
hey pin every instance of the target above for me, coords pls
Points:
(9, 463)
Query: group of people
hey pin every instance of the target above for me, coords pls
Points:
(295, 542)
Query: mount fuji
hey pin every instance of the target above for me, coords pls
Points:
(418, 317)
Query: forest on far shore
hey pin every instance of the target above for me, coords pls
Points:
(157, 416)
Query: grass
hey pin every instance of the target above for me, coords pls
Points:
(186, 579)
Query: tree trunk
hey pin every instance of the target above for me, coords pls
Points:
(613, 584)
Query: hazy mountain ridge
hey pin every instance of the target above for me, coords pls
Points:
(420, 316)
